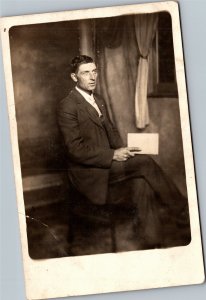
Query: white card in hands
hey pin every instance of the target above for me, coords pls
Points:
(147, 142)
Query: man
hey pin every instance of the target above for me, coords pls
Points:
(97, 158)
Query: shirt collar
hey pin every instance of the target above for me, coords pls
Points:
(84, 94)
(90, 99)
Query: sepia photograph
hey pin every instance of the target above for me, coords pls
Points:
(79, 175)
(101, 144)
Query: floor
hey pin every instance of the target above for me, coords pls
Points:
(49, 232)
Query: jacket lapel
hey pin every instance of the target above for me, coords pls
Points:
(88, 108)
(100, 105)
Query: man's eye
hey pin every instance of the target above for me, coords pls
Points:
(87, 73)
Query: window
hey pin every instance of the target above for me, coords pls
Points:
(162, 65)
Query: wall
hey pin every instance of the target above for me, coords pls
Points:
(40, 56)
(165, 120)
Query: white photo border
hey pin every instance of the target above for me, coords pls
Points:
(135, 270)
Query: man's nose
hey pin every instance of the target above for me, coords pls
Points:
(92, 76)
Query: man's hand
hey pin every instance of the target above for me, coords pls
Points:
(122, 154)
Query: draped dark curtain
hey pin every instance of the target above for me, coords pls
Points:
(122, 76)
(117, 59)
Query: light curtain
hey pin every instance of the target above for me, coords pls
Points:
(145, 28)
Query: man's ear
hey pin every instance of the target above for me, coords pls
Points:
(74, 77)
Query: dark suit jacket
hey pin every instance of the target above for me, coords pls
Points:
(90, 144)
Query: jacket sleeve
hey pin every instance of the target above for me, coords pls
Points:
(78, 149)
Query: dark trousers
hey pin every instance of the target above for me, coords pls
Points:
(143, 166)
(156, 191)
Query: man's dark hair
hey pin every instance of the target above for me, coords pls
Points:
(79, 60)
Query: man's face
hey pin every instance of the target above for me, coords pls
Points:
(86, 76)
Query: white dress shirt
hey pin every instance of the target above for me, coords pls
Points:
(90, 99)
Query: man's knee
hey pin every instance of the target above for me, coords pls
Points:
(139, 162)
(142, 159)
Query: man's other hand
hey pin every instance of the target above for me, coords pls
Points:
(122, 154)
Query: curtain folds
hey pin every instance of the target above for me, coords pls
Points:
(123, 46)
(141, 103)
(118, 71)
(110, 31)
(145, 28)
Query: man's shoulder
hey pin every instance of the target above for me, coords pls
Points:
(69, 100)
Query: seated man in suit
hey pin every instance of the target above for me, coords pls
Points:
(96, 156)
